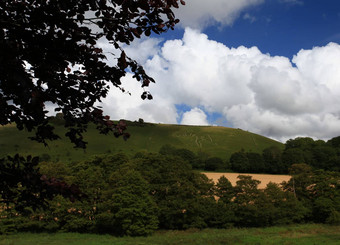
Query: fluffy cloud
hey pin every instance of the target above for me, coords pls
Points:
(268, 95)
(130, 106)
(202, 13)
(147, 48)
(195, 117)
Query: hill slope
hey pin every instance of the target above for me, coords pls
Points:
(216, 141)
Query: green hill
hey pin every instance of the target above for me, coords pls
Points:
(216, 141)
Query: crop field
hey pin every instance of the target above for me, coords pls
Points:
(295, 234)
(264, 178)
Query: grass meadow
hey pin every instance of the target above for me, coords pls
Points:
(295, 234)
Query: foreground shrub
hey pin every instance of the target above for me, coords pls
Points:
(128, 209)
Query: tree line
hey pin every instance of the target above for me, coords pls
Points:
(136, 196)
(273, 160)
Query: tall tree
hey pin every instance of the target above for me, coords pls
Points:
(256, 163)
(318, 190)
(133, 210)
(179, 192)
(272, 157)
(246, 194)
(50, 55)
(224, 190)
(239, 162)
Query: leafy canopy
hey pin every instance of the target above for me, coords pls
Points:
(50, 55)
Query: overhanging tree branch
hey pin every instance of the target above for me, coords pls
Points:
(51, 37)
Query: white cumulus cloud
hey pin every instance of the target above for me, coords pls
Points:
(195, 117)
(268, 95)
(199, 14)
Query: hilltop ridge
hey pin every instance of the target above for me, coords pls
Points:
(217, 141)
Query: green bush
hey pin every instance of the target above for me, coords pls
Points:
(333, 218)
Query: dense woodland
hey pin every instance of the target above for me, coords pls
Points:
(136, 196)
(317, 154)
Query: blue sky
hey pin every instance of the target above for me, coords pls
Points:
(267, 66)
(279, 27)
(283, 29)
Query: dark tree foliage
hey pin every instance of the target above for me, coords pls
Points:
(213, 164)
(302, 143)
(22, 185)
(135, 196)
(324, 157)
(334, 142)
(49, 54)
(280, 207)
(272, 157)
(224, 190)
(167, 150)
(318, 154)
(318, 190)
(256, 163)
(239, 162)
(135, 212)
(315, 153)
(246, 192)
(183, 153)
(293, 156)
(179, 192)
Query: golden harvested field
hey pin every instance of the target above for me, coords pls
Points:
(264, 178)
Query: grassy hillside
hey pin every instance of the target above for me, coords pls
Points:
(217, 141)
